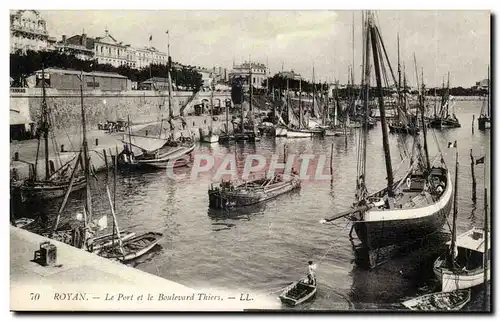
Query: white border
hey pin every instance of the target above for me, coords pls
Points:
(214, 4)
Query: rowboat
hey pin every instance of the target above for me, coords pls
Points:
(298, 292)
(440, 301)
(23, 222)
(226, 195)
(110, 239)
(132, 248)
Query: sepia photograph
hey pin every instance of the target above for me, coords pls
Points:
(250, 160)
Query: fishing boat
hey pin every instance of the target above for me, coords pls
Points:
(466, 268)
(484, 120)
(85, 237)
(466, 263)
(167, 156)
(299, 292)
(107, 240)
(443, 118)
(403, 121)
(407, 209)
(226, 195)
(56, 182)
(158, 152)
(132, 248)
(441, 301)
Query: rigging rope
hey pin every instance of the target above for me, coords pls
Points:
(322, 258)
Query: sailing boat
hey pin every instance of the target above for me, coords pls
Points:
(157, 152)
(466, 263)
(87, 241)
(409, 208)
(300, 128)
(443, 119)
(210, 137)
(484, 120)
(404, 123)
(56, 182)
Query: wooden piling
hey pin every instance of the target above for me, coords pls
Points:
(473, 178)
(97, 141)
(331, 162)
(473, 121)
(105, 159)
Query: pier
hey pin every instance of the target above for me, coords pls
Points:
(82, 281)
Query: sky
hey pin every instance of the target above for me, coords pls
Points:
(457, 42)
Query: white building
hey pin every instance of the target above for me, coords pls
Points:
(258, 71)
(146, 56)
(28, 31)
(109, 51)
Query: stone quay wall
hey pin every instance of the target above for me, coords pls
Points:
(100, 106)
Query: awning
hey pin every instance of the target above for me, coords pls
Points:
(17, 118)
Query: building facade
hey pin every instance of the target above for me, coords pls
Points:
(257, 70)
(28, 31)
(63, 79)
(79, 46)
(108, 50)
(146, 56)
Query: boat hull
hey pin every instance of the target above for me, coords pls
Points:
(380, 229)
(451, 281)
(445, 123)
(221, 199)
(132, 252)
(172, 159)
(298, 292)
(439, 301)
(211, 139)
(49, 190)
(299, 134)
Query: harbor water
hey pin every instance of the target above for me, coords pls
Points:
(264, 248)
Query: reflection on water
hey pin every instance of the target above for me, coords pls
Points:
(267, 247)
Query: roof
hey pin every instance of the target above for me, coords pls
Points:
(155, 80)
(78, 72)
(473, 240)
(17, 118)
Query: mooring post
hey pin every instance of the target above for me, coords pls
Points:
(16, 156)
(331, 162)
(105, 159)
(473, 120)
(97, 141)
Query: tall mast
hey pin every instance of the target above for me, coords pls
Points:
(424, 126)
(399, 81)
(489, 91)
(385, 137)
(447, 95)
(365, 81)
(88, 198)
(45, 122)
(250, 109)
(314, 91)
(455, 212)
(300, 103)
(352, 74)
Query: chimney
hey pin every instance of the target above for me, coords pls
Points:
(84, 40)
(64, 39)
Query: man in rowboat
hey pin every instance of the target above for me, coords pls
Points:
(311, 276)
